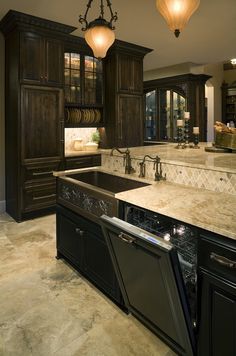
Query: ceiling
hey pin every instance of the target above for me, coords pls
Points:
(209, 37)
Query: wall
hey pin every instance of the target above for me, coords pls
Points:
(170, 71)
(2, 125)
(230, 76)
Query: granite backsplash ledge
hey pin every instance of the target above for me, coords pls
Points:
(194, 168)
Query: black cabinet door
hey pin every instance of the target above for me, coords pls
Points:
(130, 120)
(70, 237)
(130, 74)
(41, 60)
(41, 120)
(31, 58)
(81, 241)
(97, 262)
(217, 335)
(53, 62)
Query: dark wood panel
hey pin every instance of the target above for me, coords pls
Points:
(41, 114)
(39, 196)
(31, 56)
(130, 74)
(54, 62)
(217, 331)
(82, 161)
(130, 126)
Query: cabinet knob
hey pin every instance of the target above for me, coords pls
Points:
(79, 231)
(41, 76)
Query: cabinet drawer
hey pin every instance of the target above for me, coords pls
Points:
(39, 171)
(218, 256)
(82, 162)
(39, 196)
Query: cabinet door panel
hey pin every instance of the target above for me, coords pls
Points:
(69, 238)
(218, 317)
(54, 62)
(130, 74)
(41, 127)
(130, 123)
(97, 261)
(32, 60)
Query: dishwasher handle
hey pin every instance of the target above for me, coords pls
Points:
(127, 238)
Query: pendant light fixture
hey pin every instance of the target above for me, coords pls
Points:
(177, 12)
(99, 33)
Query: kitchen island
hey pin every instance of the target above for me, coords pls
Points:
(207, 215)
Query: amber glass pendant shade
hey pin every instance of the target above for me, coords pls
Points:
(177, 12)
(100, 39)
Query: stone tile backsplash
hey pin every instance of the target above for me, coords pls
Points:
(218, 181)
(72, 134)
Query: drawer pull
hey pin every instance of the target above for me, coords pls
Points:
(41, 173)
(78, 231)
(44, 197)
(222, 260)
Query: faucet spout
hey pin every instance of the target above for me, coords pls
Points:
(127, 159)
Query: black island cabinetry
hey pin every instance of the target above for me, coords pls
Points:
(195, 273)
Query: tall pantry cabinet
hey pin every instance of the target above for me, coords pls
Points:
(34, 111)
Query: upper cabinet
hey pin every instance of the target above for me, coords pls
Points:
(83, 80)
(123, 98)
(41, 60)
(130, 74)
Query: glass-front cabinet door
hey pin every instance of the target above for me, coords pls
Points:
(151, 116)
(163, 108)
(83, 86)
(72, 75)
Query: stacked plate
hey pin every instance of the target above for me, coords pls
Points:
(83, 116)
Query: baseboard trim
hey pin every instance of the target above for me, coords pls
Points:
(2, 206)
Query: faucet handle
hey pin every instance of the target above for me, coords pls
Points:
(142, 169)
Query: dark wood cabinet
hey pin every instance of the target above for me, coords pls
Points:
(41, 122)
(129, 118)
(83, 77)
(82, 161)
(123, 96)
(217, 281)
(130, 74)
(166, 100)
(41, 59)
(81, 241)
(34, 112)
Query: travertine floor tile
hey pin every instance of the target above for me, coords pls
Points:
(47, 308)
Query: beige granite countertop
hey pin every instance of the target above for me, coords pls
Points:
(212, 211)
(215, 212)
(225, 162)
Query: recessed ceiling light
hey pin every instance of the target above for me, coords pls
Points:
(233, 61)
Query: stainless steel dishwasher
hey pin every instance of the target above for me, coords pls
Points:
(148, 268)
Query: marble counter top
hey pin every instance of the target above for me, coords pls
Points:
(212, 211)
(215, 212)
(225, 162)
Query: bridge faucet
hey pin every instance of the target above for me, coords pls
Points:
(156, 166)
(127, 159)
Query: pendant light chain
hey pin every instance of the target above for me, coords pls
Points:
(102, 10)
(114, 17)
